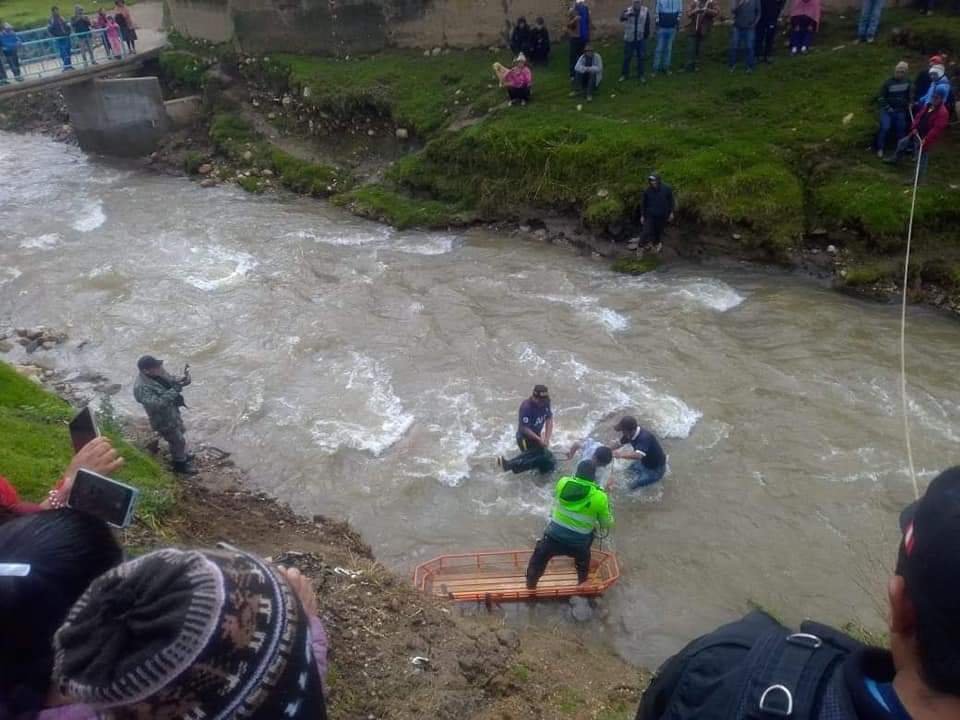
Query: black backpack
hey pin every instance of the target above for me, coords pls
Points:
(754, 669)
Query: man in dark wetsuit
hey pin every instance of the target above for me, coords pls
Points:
(649, 460)
(534, 430)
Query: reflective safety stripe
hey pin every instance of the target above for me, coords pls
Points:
(570, 526)
(588, 519)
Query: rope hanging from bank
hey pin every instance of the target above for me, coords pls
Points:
(903, 331)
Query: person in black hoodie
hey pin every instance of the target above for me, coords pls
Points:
(520, 38)
(770, 11)
(757, 668)
(539, 43)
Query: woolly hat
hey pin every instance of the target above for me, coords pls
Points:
(936, 60)
(936, 71)
(209, 634)
(901, 66)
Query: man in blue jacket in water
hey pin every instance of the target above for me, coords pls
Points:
(534, 430)
(649, 460)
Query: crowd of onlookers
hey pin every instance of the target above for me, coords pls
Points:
(114, 31)
(913, 115)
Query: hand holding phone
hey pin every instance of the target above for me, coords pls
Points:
(83, 429)
(111, 501)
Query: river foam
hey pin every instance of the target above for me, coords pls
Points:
(42, 242)
(91, 218)
(372, 418)
(237, 263)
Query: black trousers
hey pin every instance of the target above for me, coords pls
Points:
(653, 227)
(766, 37)
(547, 549)
(531, 457)
(522, 93)
(576, 50)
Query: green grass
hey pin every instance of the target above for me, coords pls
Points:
(182, 70)
(35, 447)
(401, 211)
(636, 266)
(29, 14)
(235, 137)
(769, 156)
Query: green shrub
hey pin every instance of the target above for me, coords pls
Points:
(601, 212)
(399, 210)
(192, 162)
(636, 266)
(250, 184)
(305, 177)
(180, 69)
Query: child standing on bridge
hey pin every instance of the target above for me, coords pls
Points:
(113, 37)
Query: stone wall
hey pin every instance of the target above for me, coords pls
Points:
(339, 27)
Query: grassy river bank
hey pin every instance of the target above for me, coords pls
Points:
(772, 166)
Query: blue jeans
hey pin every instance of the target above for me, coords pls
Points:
(870, 13)
(63, 47)
(895, 120)
(664, 50)
(639, 475)
(911, 143)
(631, 48)
(742, 38)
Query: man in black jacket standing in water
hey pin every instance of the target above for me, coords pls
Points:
(755, 667)
(656, 211)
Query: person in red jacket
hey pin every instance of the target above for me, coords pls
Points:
(928, 126)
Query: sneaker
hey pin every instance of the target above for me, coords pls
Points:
(804, 49)
(523, 103)
(880, 154)
(870, 40)
(573, 93)
(622, 78)
(643, 79)
(589, 98)
(793, 51)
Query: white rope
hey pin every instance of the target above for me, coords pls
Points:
(903, 330)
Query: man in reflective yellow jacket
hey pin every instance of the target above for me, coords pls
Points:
(581, 507)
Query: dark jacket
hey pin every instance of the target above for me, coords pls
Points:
(658, 202)
(895, 94)
(770, 10)
(161, 398)
(702, 679)
(539, 43)
(58, 27)
(80, 24)
(520, 41)
(745, 14)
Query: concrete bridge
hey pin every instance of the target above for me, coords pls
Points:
(111, 113)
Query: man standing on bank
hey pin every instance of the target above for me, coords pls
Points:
(161, 396)
(656, 211)
(649, 460)
(581, 507)
(534, 430)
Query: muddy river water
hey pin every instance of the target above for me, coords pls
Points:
(374, 374)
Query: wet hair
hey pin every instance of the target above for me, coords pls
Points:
(66, 550)
(602, 456)
(587, 470)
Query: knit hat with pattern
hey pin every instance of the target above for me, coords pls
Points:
(177, 634)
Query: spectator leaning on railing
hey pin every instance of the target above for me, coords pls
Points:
(10, 44)
(82, 28)
(60, 31)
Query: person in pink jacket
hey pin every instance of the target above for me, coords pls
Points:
(517, 80)
(113, 37)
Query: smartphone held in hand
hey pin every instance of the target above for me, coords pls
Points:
(83, 429)
(111, 501)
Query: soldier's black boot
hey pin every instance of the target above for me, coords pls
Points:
(183, 467)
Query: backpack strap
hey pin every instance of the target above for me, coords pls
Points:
(788, 677)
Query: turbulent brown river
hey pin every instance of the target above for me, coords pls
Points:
(374, 375)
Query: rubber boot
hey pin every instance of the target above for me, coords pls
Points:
(183, 467)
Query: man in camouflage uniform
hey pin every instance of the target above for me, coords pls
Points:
(160, 394)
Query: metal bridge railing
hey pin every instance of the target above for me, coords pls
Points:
(40, 54)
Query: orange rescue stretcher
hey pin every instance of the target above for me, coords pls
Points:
(500, 576)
